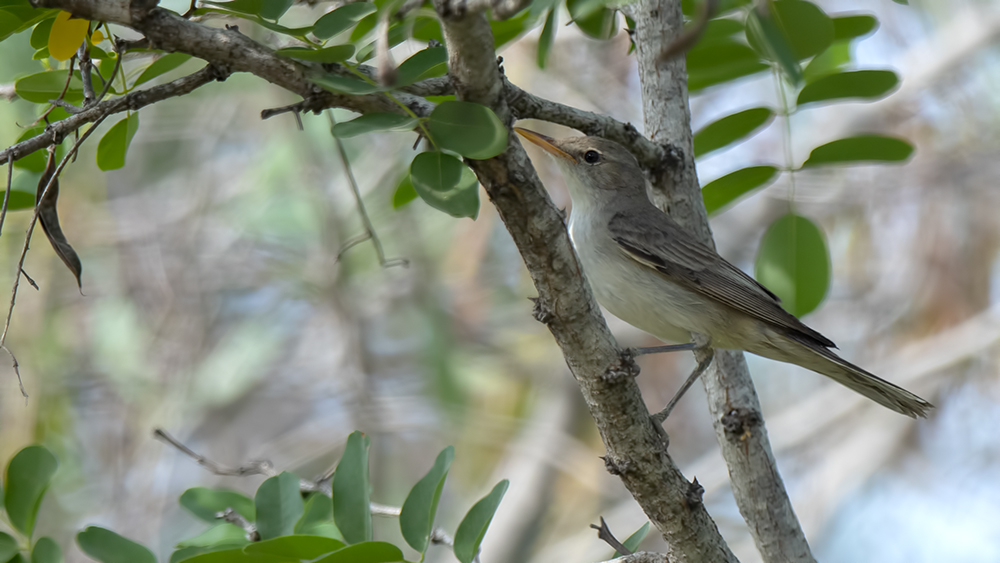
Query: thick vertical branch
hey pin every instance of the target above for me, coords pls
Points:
(636, 448)
(757, 486)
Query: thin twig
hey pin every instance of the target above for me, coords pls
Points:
(6, 194)
(262, 467)
(365, 221)
(17, 371)
(235, 518)
(604, 533)
(34, 221)
(118, 64)
(85, 77)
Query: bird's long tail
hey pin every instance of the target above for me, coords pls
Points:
(822, 360)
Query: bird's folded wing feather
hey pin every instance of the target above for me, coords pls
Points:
(656, 242)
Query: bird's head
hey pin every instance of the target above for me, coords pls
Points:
(594, 167)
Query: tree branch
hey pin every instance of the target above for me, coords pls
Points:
(55, 133)
(739, 426)
(636, 448)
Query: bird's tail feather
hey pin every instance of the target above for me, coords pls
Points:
(891, 396)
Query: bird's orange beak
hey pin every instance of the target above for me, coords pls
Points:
(544, 141)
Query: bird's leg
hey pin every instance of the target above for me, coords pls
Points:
(636, 352)
(698, 342)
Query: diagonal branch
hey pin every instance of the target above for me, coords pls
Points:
(636, 447)
(739, 426)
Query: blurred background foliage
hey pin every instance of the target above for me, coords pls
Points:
(217, 304)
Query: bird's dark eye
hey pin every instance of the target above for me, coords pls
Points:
(592, 157)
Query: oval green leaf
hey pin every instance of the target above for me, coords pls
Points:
(849, 27)
(794, 263)
(832, 60)
(593, 18)
(426, 63)
(365, 552)
(721, 28)
(469, 129)
(804, 26)
(633, 541)
(318, 509)
(446, 184)
(207, 503)
(344, 84)
(416, 518)
(40, 35)
(114, 144)
(723, 191)
(404, 193)
(351, 503)
(220, 534)
(25, 482)
(342, 18)
(8, 545)
(770, 41)
(546, 39)
(162, 65)
(278, 505)
(863, 84)
(108, 547)
(46, 550)
(727, 130)
(860, 149)
(505, 31)
(472, 529)
(335, 54)
(371, 122)
(227, 555)
(295, 547)
(720, 61)
(41, 87)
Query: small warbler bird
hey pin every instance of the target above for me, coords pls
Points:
(648, 271)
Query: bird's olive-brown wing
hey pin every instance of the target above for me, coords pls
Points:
(655, 241)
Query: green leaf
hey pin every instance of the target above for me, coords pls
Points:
(41, 87)
(446, 184)
(8, 547)
(835, 57)
(722, 191)
(863, 148)
(766, 36)
(593, 18)
(365, 552)
(721, 61)
(469, 129)
(206, 503)
(339, 20)
(372, 122)
(162, 65)
(317, 518)
(849, 27)
(295, 547)
(20, 15)
(426, 29)
(46, 550)
(426, 63)
(344, 84)
(114, 144)
(721, 28)
(351, 503)
(794, 263)
(633, 541)
(25, 483)
(108, 547)
(39, 35)
(729, 129)
(279, 505)
(220, 534)
(335, 54)
(231, 555)
(472, 529)
(274, 9)
(505, 31)
(864, 84)
(404, 193)
(416, 518)
(807, 29)
(268, 9)
(546, 39)
(398, 32)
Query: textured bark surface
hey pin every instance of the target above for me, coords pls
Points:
(757, 486)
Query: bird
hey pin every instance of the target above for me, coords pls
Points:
(647, 270)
